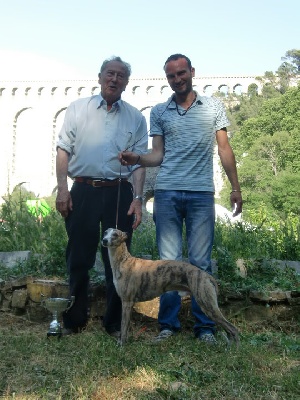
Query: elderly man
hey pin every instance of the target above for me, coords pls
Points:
(95, 129)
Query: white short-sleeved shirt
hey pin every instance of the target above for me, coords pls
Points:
(93, 137)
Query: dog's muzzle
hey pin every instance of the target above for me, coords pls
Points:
(104, 242)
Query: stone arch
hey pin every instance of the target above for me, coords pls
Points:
(40, 90)
(136, 89)
(31, 159)
(14, 138)
(146, 112)
(164, 87)
(82, 91)
(223, 89)
(148, 89)
(53, 90)
(166, 92)
(14, 91)
(94, 88)
(145, 108)
(55, 127)
(1, 90)
(208, 90)
(71, 92)
(197, 89)
(27, 90)
(238, 89)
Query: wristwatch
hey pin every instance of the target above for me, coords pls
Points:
(140, 198)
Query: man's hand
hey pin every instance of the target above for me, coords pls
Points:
(236, 203)
(64, 202)
(136, 210)
(128, 158)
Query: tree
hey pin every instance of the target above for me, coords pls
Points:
(267, 149)
(285, 193)
(293, 57)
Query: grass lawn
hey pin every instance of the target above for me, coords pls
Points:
(91, 366)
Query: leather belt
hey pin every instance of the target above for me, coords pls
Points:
(99, 182)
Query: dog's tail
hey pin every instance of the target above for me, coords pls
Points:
(205, 291)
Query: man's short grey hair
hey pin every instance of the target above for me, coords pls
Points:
(119, 59)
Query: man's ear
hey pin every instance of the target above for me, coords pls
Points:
(126, 85)
(193, 72)
(99, 78)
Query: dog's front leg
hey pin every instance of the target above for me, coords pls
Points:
(126, 315)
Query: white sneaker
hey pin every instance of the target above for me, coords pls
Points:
(208, 338)
(163, 335)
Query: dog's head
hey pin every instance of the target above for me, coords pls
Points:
(113, 238)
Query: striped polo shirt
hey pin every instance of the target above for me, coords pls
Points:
(189, 143)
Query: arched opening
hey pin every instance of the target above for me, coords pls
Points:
(31, 159)
(208, 90)
(238, 89)
(223, 90)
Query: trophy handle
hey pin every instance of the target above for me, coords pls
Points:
(72, 301)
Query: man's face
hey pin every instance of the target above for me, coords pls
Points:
(180, 76)
(113, 80)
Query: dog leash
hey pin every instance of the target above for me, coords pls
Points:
(120, 175)
(118, 198)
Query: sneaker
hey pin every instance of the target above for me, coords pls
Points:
(163, 335)
(208, 338)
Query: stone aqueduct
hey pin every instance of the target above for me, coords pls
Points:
(32, 112)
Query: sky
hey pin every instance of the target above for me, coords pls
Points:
(64, 39)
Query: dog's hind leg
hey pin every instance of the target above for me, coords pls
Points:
(206, 296)
(211, 309)
(126, 315)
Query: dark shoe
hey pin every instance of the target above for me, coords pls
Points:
(70, 331)
(67, 332)
(115, 334)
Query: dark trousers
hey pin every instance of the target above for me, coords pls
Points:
(92, 207)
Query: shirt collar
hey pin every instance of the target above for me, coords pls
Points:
(172, 104)
(102, 101)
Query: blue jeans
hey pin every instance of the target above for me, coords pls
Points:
(171, 209)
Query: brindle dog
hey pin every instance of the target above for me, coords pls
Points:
(138, 280)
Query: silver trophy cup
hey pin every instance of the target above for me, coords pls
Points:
(57, 305)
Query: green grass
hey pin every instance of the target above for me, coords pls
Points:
(90, 366)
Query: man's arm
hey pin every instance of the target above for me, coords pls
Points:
(138, 178)
(63, 198)
(145, 160)
(152, 159)
(228, 162)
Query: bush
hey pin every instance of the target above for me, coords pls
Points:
(46, 238)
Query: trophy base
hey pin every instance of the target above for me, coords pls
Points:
(54, 334)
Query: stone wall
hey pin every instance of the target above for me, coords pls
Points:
(24, 297)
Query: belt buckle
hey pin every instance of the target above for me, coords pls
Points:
(95, 181)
